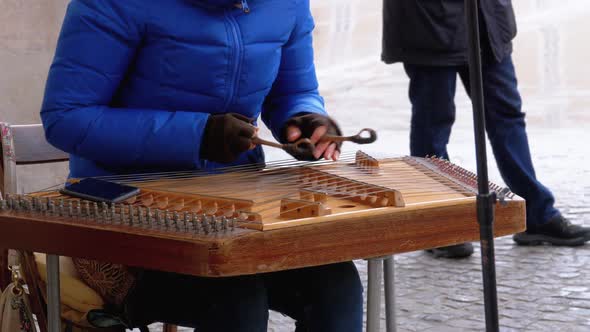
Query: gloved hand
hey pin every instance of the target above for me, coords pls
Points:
(226, 137)
(313, 126)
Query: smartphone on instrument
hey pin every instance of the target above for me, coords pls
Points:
(100, 190)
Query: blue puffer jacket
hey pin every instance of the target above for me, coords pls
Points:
(133, 82)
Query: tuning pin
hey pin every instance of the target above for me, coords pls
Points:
(213, 224)
(224, 224)
(188, 222)
(16, 203)
(168, 219)
(194, 223)
(61, 207)
(6, 204)
(159, 220)
(232, 223)
(165, 219)
(105, 212)
(24, 204)
(140, 215)
(51, 207)
(79, 210)
(218, 221)
(132, 220)
(148, 217)
(70, 209)
(42, 206)
(129, 214)
(87, 209)
(9, 202)
(122, 215)
(184, 222)
(205, 224)
(157, 223)
(95, 213)
(176, 221)
(113, 214)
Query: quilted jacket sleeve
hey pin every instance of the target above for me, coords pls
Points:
(95, 48)
(295, 90)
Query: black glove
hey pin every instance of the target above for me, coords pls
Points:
(307, 124)
(226, 137)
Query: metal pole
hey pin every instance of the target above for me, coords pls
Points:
(374, 294)
(389, 281)
(485, 199)
(53, 301)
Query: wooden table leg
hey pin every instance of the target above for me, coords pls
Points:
(53, 300)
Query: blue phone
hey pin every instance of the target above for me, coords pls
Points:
(100, 190)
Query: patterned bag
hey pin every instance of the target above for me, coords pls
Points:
(111, 281)
(15, 310)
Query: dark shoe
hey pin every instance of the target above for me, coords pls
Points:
(456, 251)
(558, 231)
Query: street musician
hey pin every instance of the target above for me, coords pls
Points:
(150, 86)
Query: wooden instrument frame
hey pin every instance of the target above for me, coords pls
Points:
(307, 241)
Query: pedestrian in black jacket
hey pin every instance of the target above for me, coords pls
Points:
(430, 38)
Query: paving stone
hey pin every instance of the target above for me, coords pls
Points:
(551, 308)
(466, 324)
(513, 323)
(436, 318)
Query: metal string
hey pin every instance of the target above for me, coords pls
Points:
(245, 172)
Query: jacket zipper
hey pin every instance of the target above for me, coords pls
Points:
(235, 77)
(245, 7)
